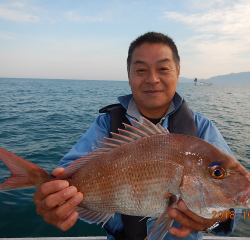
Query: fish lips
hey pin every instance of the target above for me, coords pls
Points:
(243, 198)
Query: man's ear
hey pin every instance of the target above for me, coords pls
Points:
(178, 71)
(128, 76)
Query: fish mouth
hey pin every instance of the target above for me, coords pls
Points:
(244, 199)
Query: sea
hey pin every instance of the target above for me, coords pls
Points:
(41, 119)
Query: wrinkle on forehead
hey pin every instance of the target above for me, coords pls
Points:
(159, 61)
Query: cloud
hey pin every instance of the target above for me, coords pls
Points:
(226, 30)
(226, 21)
(73, 16)
(17, 4)
(220, 36)
(7, 36)
(211, 4)
(9, 12)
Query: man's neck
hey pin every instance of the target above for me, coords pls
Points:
(153, 120)
(133, 111)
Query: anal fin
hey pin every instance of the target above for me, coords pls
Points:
(93, 217)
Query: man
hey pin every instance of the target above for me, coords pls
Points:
(153, 67)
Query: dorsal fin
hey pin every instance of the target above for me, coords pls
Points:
(109, 145)
(152, 126)
(74, 166)
(103, 149)
(122, 137)
(162, 128)
(135, 130)
(148, 127)
(130, 134)
(97, 152)
(143, 128)
(115, 141)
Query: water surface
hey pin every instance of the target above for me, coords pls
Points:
(40, 120)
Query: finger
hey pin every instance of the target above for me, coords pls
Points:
(58, 171)
(189, 219)
(53, 200)
(65, 225)
(203, 222)
(49, 188)
(66, 216)
(183, 207)
(181, 218)
(67, 207)
(181, 232)
(51, 218)
(186, 221)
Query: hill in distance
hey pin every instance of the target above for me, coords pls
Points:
(232, 78)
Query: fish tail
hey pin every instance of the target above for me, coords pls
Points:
(23, 172)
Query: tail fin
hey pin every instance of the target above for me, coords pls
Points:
(23, 172)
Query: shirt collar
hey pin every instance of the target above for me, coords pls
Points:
(134, 112)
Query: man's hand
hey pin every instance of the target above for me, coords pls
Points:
(55, 202)
(190, 221)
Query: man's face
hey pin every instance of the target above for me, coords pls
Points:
(153, 78)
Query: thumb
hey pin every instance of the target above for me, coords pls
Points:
(58, 171)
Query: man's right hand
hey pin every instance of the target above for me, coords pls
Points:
(55, 202)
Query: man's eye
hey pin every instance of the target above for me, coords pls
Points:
(163, 69)
(140, 71)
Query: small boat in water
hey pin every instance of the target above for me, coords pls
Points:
(196, 83)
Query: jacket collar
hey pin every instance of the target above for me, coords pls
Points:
(128, 103)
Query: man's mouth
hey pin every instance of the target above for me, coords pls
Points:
(152, 91)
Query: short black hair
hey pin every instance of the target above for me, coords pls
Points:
(153, 37)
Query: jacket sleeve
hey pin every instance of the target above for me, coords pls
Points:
(99, 130)
(209, 132)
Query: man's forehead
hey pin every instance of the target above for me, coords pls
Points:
(160, 49)
(144, 62)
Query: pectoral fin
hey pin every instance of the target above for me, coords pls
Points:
(163, 223)
(160, 229)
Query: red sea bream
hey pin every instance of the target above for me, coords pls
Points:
(142, 171)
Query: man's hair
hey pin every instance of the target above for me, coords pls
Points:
(153, 37)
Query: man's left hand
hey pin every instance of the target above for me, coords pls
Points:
(189, 220)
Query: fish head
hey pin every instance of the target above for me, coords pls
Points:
(214, 180)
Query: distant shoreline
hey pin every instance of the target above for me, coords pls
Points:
(232, 78)
(242, 78)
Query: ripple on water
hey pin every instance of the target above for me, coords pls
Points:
(42, 119)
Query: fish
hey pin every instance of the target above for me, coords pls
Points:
(143, 171)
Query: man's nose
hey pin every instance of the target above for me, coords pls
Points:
(152, 78)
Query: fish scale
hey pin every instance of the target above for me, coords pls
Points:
(142, 171)
(130, 169)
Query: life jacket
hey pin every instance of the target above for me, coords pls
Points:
(182, 122)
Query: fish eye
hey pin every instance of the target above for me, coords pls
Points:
(217, 172)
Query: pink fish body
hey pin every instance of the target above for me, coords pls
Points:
(141, 171)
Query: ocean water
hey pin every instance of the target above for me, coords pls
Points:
(40, 120)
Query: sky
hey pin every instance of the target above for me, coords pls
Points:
(83, 39)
